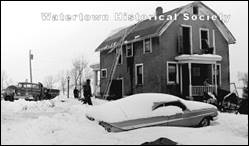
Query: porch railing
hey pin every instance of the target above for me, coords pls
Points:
(199, 90)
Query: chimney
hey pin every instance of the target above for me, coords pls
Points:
(159, 11)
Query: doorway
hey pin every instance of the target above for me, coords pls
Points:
(116, 89)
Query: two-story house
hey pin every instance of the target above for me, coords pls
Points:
(185, 56)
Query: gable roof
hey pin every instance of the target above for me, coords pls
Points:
(152, 27)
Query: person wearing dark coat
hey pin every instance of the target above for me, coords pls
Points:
(76, 93)
(87, 92)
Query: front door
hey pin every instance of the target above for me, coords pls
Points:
(185, 80)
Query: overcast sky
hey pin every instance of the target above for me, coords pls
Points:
(56, 44)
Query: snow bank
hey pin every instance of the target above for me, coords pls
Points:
(22, 105)
(67, 125)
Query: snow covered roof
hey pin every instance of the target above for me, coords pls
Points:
(209, 58)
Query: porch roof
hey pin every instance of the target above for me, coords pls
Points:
(95, 67)
(196, 58)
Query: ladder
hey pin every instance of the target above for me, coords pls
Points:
(115, 63)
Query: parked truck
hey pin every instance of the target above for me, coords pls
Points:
(29, 91)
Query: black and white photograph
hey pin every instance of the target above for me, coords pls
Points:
(124, 72)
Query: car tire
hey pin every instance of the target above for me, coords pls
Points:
(204, 122)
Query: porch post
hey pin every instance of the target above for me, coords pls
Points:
(180, 78)
(190, 79)
(215, 77)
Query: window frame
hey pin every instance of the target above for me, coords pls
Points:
(191, 36)
(200, 36)
(197, 9)
(150, 40)
(101, 74)
(177, 73)
(126, 48)
(136, 77)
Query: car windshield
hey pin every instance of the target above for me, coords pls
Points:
(35, 86)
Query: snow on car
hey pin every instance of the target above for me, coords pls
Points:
(151, 109)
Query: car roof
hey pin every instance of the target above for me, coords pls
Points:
(27, 83)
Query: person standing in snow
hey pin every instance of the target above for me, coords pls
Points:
(76, 93)
(87, 92)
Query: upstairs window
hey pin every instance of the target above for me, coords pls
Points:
(204, 39)
(195, 10)
(129, 50)
(139, 74)
(147, 46)
(104, 73)
(120, 59)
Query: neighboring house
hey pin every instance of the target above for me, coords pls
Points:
(179, 57)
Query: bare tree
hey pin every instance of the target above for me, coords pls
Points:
(79, 64)
(80, 72)
(49, 81)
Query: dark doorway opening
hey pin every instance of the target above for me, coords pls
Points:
(116, 90)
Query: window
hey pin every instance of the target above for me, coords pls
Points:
(195, 10)
(35, 86)
(29, 85)
(172, 76)
(129, 50)
(186, 39)
(104, 73)
(147, 46)
(139, 74)
(204, 38)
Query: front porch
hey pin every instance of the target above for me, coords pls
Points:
(198, 74)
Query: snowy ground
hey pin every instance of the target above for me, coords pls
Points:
(63, 121)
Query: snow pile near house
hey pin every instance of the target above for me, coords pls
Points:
(137, 106)
(66, 124)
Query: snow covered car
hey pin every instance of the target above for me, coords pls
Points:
(151, 109)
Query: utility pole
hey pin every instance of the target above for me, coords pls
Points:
(30, 66)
